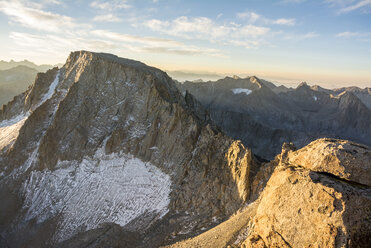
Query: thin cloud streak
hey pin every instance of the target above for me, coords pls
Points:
(107, 18)
(37, 19)
(253, 17)
(345, 6)
(203, 28)
(110, 5)
(348, 34)
(300, 37)
(157, 45)
(358, 5)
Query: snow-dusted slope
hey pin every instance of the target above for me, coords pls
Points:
(106, 188)
(9, 129)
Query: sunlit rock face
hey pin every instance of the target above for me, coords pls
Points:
(318, 196)
(311, 197)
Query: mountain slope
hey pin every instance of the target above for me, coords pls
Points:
(15, 81)
(5, 65)
(265, 116)
(101, 126)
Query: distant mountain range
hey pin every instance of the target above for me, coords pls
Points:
(16, 77)
(14, 81)
(265, 116)
(5, 65)
(192, 76)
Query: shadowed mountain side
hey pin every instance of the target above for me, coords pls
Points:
(263, 115)
(15, 81)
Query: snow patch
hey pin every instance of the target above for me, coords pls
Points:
(51, 90)
(9, 129)
(106, 188)
(241, 90)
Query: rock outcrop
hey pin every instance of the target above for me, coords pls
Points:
(301, 207)
(316, 197)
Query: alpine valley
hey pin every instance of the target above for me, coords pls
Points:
(110, 152)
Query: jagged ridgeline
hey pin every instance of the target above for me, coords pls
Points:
(107, 152)
(264, 116)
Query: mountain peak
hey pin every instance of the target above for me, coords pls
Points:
(303, 85)
(87, 55)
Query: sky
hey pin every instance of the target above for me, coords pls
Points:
(326, 42)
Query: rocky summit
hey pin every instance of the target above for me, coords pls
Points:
(110, 152)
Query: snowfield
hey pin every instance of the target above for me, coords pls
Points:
(106, 188)
(241, 90)
(114, 188)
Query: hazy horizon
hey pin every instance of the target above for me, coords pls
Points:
(326, 42)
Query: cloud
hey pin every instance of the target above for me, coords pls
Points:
(110, 5)
(348, 34)
(293, 1)
(156, 45)
(253, 17)
(55, 47)
(345, 6)
(204, 28)
(135, 39)
(183, 26)
(300, 37)
(59, 46)
(286, 22)
(61, 34)
(358, 5)
(52, 2)
(36, 18)
(107, 18)
(185, 51)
